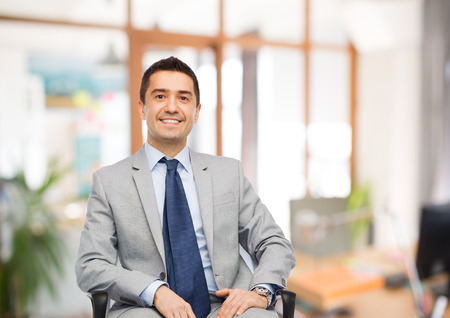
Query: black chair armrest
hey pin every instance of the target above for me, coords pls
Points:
(288, 301)
(99, 300)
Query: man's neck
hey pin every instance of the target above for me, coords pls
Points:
(170, 150)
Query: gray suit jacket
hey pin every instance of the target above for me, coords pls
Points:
(123, 224)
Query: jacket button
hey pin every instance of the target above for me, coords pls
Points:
(162, 276)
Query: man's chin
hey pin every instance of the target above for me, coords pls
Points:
(173, 140)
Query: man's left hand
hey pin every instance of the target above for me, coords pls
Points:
(238, 301)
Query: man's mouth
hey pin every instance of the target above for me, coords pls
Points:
(171, 121)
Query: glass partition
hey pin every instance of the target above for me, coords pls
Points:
(232, 82)
(281, 129)
(329, 131)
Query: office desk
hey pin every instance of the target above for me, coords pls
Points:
(374, 303)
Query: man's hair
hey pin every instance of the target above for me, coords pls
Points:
(168, 64)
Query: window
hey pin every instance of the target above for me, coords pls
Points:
(276, 82)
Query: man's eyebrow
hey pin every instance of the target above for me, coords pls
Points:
(165, 90)
(159, 90)
(185, 92)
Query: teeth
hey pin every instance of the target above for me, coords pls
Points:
(170, 121)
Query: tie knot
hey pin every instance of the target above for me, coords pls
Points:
(171, 164)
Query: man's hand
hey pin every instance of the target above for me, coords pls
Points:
(170, 305)
(238, 301)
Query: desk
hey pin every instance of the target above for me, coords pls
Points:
(381, 302)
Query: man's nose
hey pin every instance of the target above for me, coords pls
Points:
(171, 105)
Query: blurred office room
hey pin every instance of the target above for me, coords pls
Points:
(320, 99)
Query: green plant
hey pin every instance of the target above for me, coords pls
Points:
(359, 203)
(36, 250)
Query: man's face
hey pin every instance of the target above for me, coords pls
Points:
(170, 110)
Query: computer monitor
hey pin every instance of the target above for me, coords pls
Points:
(433, 253)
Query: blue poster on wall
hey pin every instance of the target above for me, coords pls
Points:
(87, 154)
(65, 75)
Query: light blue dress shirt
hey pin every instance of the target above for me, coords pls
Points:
(158, 171)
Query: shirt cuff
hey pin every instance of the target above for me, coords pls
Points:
(148, 294)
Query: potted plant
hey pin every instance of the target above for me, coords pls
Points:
(34, 252)
(359, 204)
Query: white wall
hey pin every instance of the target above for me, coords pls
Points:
(388, 134)
(388, 118)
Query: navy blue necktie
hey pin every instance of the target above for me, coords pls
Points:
(185, 272)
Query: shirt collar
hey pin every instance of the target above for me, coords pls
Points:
(154, 155)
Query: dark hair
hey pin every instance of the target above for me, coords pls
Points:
(168, 64)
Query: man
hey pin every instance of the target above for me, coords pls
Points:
(131, 217)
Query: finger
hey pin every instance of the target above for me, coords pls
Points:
(191, 315)
(223, 292)
(242, 303)
(171, 305)
(241, 309)
(239, 301)
(190, 312)
(229, 307)
(226, 312)
(183, 310)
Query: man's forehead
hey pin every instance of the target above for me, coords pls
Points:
(171, 77)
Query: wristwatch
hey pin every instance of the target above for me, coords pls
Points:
(264, 292)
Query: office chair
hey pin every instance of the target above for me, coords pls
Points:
(99, 300)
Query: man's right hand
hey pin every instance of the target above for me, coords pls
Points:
(170, 305)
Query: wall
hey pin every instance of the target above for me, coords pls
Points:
(389, 105)
(388, 135)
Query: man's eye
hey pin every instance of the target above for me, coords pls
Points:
(184, 98)
(159, 96)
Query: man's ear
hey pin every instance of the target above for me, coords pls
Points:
(197, 113)
(141, 108)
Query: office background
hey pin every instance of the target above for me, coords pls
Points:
(314, 96)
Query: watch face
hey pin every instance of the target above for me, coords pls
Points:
(263, 291)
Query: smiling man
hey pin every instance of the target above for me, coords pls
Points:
(164, 227)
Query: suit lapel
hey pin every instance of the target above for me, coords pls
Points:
(203, 183)
(144, 184)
